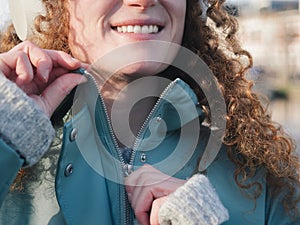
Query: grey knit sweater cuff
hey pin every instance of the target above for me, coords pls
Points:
(23, 126)
(195, 203)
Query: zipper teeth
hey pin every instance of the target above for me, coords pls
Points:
(135, 145)
(87, 74)
(107, 118)
(123, 197)
(127, 209)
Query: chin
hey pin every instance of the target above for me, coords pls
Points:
(142, 69)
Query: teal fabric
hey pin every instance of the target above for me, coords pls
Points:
(10, 163)
(92, 195)
(29, 206)
(78, 205)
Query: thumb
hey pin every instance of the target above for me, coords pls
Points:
(54, 94)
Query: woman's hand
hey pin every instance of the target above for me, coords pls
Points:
(147, 189)
(44, 75)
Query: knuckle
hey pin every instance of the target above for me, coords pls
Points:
(62, 53)
(138, 212)
(26, 45)
(21, 55)
(146, 166)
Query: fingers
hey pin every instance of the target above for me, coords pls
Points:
(37, 57)
(141, 198)
(139, 194)
(54, 94)
(59, 60)
(144, 186)
(16, 66)
(24, 69)
(42, 74)
(142, 215)
(141, 204)
(28, 60)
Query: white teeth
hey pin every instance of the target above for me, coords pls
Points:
(137, 29)
(145, 30)
(129, 29)
(151, 30)
(124, 29)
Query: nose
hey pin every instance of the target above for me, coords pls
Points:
(142, 4)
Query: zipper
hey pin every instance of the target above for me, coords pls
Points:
(125, 168)
(129, 167)
(114, 139)
(146, 122)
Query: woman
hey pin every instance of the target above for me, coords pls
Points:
(254, 178)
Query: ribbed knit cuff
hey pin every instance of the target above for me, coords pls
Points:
(23, 125)
(194, 203)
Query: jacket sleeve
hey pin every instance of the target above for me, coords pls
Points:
(23, 125)
(194, 203)
(25, 133)
(10, 163)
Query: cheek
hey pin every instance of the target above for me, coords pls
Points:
(177, 12)
(82, 39)
(77, 43)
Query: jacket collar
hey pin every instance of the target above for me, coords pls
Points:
(177, 106)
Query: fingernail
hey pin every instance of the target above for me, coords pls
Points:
(73, 60)
(45, 75)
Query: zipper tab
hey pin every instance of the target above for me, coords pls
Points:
(127, 169)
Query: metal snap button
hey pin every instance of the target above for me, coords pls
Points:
(158, 119)
(73, 134)
(143, 157)
(68, 170)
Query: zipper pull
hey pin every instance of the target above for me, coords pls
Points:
(80, 70)
(127, 170)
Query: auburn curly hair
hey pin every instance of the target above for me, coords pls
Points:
(253, 140)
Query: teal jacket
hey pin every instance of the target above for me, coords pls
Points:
(89, 176)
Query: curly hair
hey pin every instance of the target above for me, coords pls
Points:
(253, 140)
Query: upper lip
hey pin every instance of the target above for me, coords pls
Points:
(137, 22)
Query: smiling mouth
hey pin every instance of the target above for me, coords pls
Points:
(138, 29)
